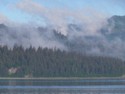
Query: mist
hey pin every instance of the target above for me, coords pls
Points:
(85, 30)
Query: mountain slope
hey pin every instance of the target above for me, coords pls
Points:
(107, 41)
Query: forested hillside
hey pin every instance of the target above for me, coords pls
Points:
(20, 62)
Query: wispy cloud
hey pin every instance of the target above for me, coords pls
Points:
(62, 16)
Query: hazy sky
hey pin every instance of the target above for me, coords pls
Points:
(33, 10)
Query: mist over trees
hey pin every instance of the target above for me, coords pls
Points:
(108, 40)
(78, 53)
(44, 62)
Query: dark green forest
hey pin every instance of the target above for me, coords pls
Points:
(44, 62)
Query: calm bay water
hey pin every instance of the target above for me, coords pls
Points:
(85, 86)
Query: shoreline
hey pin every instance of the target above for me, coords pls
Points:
(59, 78)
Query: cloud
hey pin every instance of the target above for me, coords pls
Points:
(60, 17)
(27, 36)
(3, 18)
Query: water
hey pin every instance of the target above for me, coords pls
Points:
(83, 86)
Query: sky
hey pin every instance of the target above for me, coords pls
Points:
(38, 11)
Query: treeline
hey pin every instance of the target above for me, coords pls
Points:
(44, 62)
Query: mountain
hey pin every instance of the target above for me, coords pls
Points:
(107, 41)
(3, 27)
(115, 27)
(3, 30)
(110, 42)
(85, 55)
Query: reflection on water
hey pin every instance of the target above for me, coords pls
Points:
(62, 86)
